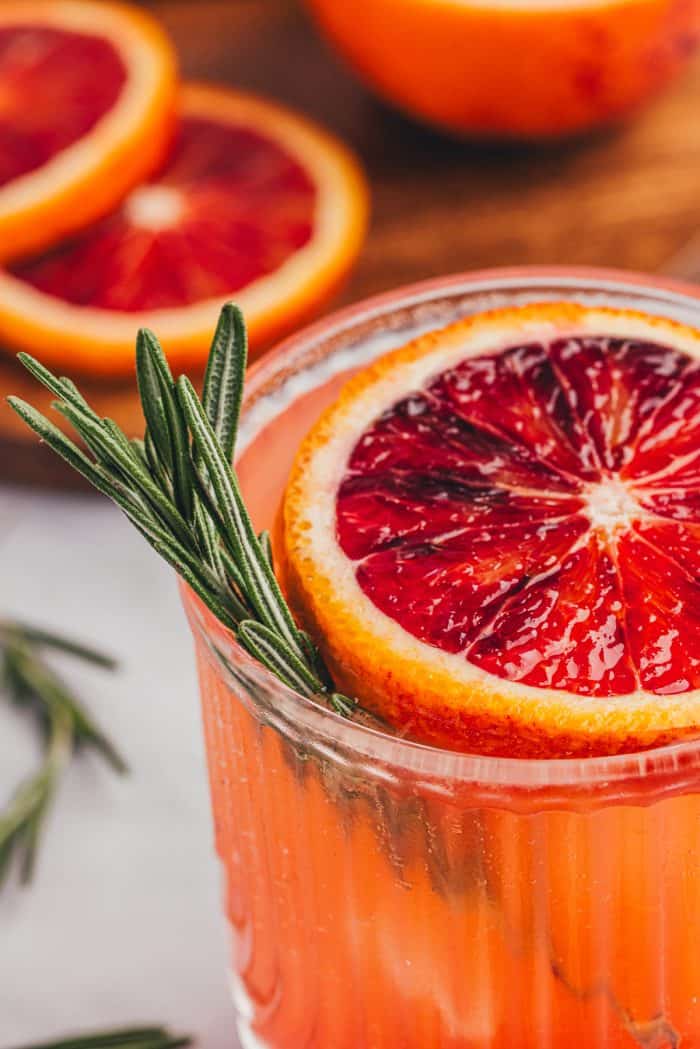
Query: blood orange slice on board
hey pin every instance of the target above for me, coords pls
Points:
(254, 204)
(495, 533)
(87, 98)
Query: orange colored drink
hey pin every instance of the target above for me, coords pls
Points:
(388, 895)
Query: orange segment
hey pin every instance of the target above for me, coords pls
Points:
(472, 535)
(254, 203)
(87, 98)
(517, 68)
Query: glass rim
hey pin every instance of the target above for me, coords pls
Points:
(673, 766)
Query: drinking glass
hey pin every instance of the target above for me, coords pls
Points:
(383, 894)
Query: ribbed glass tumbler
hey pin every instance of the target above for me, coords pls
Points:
(388, 895)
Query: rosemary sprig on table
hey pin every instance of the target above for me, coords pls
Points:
(179, 489)
(127, 1038)
(66, 727)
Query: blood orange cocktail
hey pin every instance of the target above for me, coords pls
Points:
(388, 895)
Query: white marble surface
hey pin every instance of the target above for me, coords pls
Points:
(122, 923)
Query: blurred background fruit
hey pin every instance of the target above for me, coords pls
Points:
(509, 68)
(253, 203)
(87, 107)
(626, 198)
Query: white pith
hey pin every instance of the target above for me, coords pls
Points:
(610, 506)
(154, 207)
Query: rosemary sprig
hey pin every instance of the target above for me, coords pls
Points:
(179, 489)
(127, 1038)
(65, 726)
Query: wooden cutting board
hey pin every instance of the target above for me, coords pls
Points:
(626, 199)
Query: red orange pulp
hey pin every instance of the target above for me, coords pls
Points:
(495, 533)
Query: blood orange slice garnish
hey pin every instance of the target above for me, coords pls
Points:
(495, 533)
(87, 98)
(254, 204)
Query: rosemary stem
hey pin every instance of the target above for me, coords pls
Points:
(178, 488)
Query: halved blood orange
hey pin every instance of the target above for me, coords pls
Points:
(87, 99)
(495, 533)
(514, 68)
(255, 203)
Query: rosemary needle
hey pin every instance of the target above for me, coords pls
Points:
(66, 727)
(179, 489)
(127, 1038)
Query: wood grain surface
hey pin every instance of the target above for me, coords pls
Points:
(627, 198)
